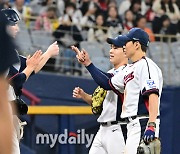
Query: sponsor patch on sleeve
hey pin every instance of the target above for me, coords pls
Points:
(150, 84)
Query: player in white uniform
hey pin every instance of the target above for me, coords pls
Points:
(7, 58)
(109, 138)
(20, 72)
(142, 82)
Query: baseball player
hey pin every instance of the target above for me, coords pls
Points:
(142, 83)
(20, 72)
(7, 58)
(109, 138)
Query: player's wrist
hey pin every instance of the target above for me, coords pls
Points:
(151, 124)
(48, 54)
(88, 63)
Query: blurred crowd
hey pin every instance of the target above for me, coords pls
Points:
(73, 21)
(95, 20)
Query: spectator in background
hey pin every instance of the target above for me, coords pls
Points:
(166, 28)
(149, 13)
(165, 7)
(114, 21)
(98, 33)
(162, 7)
(60, 7)
(23, 11)
(103, 4)
(128, 20)
(112, 3)
(76, 2)
(45, 5)
(67, 33)
(135, 7)
(89, 10)
(48, 21)
(141, 22)
(124, 6)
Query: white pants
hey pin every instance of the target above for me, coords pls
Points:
(108, 140)
(17, 134)
(16, 149)
(135, 130)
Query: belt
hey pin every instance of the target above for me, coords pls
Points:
(129, 119)
(108, 123)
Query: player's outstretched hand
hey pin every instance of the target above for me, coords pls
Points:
(82, 56)
(79, 54)
(87, 61)
(53, 49)
(78, 92)
(33, 61)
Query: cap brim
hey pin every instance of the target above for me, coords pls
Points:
(110, 40)
(123, 39)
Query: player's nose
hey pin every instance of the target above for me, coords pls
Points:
(111, 50)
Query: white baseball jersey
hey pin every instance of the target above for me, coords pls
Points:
(112, 105)
(139, 80)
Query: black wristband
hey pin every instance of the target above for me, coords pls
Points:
(152, 124)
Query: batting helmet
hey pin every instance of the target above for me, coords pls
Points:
(11, 16)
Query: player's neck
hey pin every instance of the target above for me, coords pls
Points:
(137, 56)
(116, 66)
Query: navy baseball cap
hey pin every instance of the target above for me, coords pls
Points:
(137, 34)
(119, 41)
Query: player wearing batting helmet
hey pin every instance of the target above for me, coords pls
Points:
(20, 72)
(7, 58)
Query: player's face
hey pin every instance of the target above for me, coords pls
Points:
(116, 55)
(129, 49)
(13, 30)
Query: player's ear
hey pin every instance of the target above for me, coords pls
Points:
(137, 45)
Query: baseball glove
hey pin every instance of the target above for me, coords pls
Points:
(153, 147)
(97, 100)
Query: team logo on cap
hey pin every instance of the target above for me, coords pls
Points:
(136, 39)
(148, 43)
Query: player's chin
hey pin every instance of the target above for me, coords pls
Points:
(111, 60)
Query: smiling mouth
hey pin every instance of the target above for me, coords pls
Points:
(111, 56)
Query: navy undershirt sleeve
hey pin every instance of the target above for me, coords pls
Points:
(100, 78)
(109, 75)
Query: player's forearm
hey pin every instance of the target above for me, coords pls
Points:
(153, 107)
(87, 98)
(44, 60)
(100, 78)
